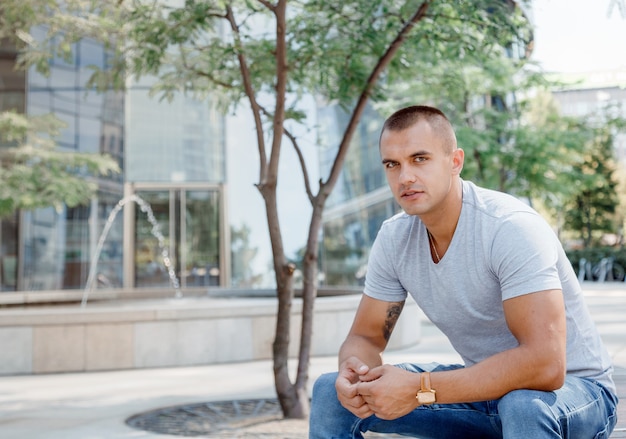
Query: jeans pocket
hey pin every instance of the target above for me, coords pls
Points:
(608, 429)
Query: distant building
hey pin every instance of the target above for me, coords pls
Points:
(172, 155)
(590, 92)
(46, 249)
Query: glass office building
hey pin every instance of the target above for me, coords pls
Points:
(175, 162)
(171, 156)
(12, 98)
(49, 249)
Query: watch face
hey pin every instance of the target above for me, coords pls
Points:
(425, 397)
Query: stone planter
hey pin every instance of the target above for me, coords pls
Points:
(167, 332)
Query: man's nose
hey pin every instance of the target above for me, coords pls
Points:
(407, 175)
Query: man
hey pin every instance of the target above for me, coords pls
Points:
(490, 273)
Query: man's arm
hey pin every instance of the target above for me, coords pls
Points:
(537, 320)
(361, 351)
(372, 326)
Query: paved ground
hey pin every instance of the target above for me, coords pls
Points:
(96, 405)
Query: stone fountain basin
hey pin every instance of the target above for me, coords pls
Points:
(129, 333)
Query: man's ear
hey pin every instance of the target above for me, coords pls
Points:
(458, 158)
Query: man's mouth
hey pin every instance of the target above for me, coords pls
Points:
(410, 192)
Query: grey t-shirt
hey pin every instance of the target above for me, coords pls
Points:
(501, 249)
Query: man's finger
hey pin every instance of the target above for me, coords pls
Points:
(358, 366)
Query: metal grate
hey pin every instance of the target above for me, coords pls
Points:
(207, 418)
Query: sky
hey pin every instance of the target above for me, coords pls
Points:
(577, 36)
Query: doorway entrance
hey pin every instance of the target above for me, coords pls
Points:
(190, 224)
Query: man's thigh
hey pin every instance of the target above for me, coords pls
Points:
(581, 408)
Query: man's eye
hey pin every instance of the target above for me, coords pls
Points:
(390, 165)
(420, 159)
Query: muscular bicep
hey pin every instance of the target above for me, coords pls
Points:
(375, 320)
(534, 317)
(537, 321)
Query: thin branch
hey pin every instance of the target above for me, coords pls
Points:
(382, 63)
(247, 82)
(267, 4)
(296, 147)
(216, 15)
(202, 73)
(280, 55)
(210, 77)
(305, 173)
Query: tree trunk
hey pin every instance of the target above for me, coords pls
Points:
(283, 270)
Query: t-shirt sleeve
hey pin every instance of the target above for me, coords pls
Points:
(525, 253)
(381, 279)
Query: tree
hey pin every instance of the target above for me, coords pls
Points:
(34, 174)
(593, 205)
(33, 171)
(267, 54)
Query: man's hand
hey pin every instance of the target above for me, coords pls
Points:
(389, 391)
(347, 383)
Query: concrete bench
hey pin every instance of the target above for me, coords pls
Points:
(620, 381)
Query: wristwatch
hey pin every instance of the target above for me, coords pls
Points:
(425, 395)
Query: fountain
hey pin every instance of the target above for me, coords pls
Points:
(144, 206)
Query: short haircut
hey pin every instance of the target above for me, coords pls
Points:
(409, 116)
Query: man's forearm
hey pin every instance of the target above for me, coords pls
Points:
(495, 376)
(362, 348)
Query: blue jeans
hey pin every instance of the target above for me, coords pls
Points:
(582, 408)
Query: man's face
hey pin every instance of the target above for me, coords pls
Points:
(419, 167)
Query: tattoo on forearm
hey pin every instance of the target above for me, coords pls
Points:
(393, 312)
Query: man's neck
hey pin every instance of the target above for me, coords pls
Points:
(442, 223)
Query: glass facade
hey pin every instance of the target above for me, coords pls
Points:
(362, 171)
(58, 246)
(188, 235)
(348, 238)
(180, 141)
(48, 249)
(172, 156)
(8, 253)
(358, 204)
(12, 98)
(176, 163)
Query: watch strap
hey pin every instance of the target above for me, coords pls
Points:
(425, 382)
(425, 395)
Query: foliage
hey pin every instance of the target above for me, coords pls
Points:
(65, 22)
(592, 207)
(35, 174)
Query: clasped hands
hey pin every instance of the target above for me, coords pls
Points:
(380, 391)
